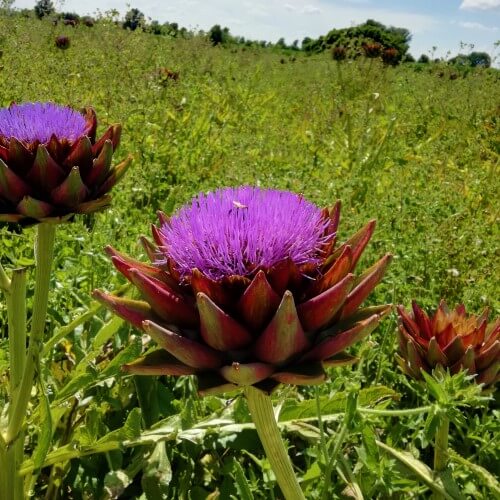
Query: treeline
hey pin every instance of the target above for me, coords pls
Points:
(134, 19)
(356, 39)
(371, 39)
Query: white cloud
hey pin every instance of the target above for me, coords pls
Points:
(480, 4)
(289, 7)
(476, 26)
(310, 9)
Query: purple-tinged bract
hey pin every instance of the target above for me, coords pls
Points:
(247, 286)
(452, 339)
(51, 164)
(236, 231)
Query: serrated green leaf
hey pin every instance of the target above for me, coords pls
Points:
(106, 332)
(306, 431)
(115, 483)
(369, 397)
(434, 387)
(484, 475)
(241, 482)
(131, 429)
(372, 457)
(131, 352)
(418, 469)
(157, 474)
(351, 406)
(313, 473)
(76, 384)
(431, 424)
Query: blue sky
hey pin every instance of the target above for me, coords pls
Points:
(440, 23)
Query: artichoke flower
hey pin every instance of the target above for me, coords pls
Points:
(247, 287)
(51, 164)
(451, 339)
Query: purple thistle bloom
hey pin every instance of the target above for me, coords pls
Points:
(52, 165)
(236, 231)
(37, 122)
(246, 287)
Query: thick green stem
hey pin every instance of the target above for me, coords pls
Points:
(441, 445)
(261, 410)
(44, 251)
(441, 449)
(4, 475)
(16, 314)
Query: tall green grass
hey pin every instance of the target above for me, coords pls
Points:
(407, 145)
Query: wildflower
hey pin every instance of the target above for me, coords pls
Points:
(391, 56)
(51, 165)
(450, 339)
(247, 287)
(62, 42)
(372, 50)
(339, 53)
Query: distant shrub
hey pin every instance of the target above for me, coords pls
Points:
(474, 59)
(424, 59)
(26, 13)
(156, 28)
(70, 16)
(88, 21)
(459, 60)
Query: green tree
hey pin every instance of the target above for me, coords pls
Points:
(369, 33)
(218, 35)
(44, 8)
(460, 60)
(281, 43)
(155, 27)
(480, 59)
(134, 18)
(6, 5)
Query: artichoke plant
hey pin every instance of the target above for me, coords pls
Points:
(51, 163)
(451, 339)
(247, 286)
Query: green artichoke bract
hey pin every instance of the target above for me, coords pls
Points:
(51, 164)
(248, 287)
(451, 339)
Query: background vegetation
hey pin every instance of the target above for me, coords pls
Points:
(414, 146)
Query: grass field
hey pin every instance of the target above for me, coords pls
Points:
(408, 146)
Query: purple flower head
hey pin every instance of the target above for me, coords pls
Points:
(235, 231)
(38, 121)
